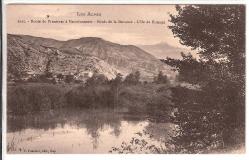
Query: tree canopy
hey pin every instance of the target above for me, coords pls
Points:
(217, 33)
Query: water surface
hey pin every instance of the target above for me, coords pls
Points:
(78, 131)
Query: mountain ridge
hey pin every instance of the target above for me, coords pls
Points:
(32, 54)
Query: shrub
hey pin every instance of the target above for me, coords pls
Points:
(96, 79)
(161, 79)
(69, 78)
(34, 98)
(97, 96)
(132, 78)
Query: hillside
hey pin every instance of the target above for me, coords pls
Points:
(80, 57)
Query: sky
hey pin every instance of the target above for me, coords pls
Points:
(134, 34)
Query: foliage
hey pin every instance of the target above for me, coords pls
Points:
(35, 98)
(97, 96)
(96, 79)
(40, 78)
(161, 79)
(115, 87)
(69, 78)
(216, 30)
(149, 99)
(199, 129)
(138, 144)
(132, 78)
(117, 80)
(60, 76)
(218, 34)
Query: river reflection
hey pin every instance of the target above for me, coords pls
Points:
(72, 131)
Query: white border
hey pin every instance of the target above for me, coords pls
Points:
(109, 156)
(127, 1)
(4, 84)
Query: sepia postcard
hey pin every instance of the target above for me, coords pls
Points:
(124, 79)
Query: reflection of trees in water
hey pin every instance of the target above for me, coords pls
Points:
(94, 132)
(116, 129)
(154, 138)
(42, 120)
(94, 121)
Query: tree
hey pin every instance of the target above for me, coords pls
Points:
(69, 78)
(48, 73)
(96, 79)
(217, 32)
(115, 85)
(132, 78)
(117, 80)
(161, 79)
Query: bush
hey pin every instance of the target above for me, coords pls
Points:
(132, 78)
(96, 79)
(161, 79)
(97, 96)
(69, 78)
(34, 98)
